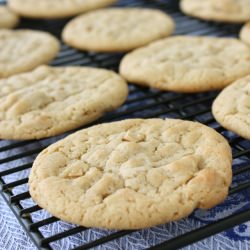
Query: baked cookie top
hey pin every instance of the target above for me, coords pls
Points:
(133, 173)
(245, 33)
(232, 107)
(117, 29)
(234, 11)
(49, 101)
(8, 19)
(24, 50)
(55, 8)
(187, 64)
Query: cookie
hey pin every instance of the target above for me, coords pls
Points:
(24, 50)
(117, 29)
(49, 101)
(55, 8)
(245, 33)
(232, 107)
(8, 19)
(187, 64)
(133, 173)
(218, 10)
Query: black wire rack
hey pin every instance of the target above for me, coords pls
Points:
(16, 157)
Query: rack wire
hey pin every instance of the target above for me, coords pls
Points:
(16, 157)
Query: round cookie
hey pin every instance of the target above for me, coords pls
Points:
(49, 101)
(117, 29)
(231, 108)
(24, 50)
(232, 11)
(187, 64)
(55, 8)
(8, 19)
(133, 173)
(245, 33)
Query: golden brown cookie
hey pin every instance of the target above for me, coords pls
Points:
(55, 8)
(117, 29)
(133, 173)
(232, 11)
(232, 107)
(49, 101)
(24, 50)
(8, 19)
(187, 64)
(245, 33)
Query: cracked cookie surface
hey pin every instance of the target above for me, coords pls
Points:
(49, 101)
(24, 50)
(232, 107)
(117, 29)
(187, 64)
(55, 8)
(133, 173)
(8, 19)
(218, 10)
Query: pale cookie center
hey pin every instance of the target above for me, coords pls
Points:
(132, 160)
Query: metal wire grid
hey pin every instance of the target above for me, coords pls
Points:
(16, 156)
